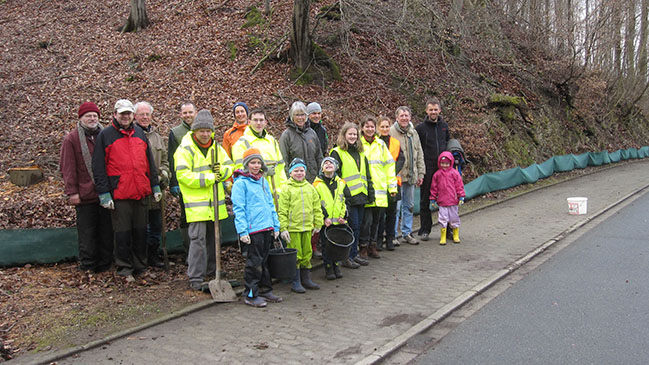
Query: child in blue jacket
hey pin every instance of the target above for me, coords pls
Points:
(257, 224)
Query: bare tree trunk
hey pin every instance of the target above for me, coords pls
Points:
(629, 40)
(301, 48)
(642, 47)
(616, 28)
(138, 18)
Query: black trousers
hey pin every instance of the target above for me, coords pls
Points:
(95, 237)
(256, 272)
(387, 221)
(129, 223)
(370, 226)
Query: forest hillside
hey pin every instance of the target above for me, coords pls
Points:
(520, 81)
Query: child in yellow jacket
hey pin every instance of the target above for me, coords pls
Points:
(300, 215)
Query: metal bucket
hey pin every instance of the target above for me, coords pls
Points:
(339, 240)
(282, 263)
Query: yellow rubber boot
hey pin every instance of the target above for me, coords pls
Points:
(442, 238)
(456, 235)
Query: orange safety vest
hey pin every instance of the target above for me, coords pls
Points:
(394, 148)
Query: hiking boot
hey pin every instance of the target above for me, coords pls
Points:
(350, 264)
(256, 302)
(389, 245)
(424, 236)
(329, 272)
(337, 271)
(373, 252)
(155, 261)
(379, 246)
(363, 253)
(198, 286)
(361, 261)
(270, 297)
(410, 239)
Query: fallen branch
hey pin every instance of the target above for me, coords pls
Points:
(270, 52)
(11, 86)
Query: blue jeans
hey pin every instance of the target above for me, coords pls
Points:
(356, 213)
(407, 206)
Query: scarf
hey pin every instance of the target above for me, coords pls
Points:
(85, 152)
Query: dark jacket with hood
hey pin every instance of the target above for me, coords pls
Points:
(321, 132)
(433, 137)
(303, 143)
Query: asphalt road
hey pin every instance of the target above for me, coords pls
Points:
(588, 304)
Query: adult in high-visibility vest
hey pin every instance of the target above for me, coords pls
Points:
(334, 195)
(355, 170)
(201, 163)
(388, 221)
(256, 136)
(385, 186)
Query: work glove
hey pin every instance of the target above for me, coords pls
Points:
(175, 191)
(275, 234)
(461, 200)
(286, 236)
(157, 194)
(271, 170)
(106, 201)
(316, 231)
(433, 205)
(216, 169)
(245, 239)
(227, 185)
(164, 179)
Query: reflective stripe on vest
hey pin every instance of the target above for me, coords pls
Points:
(356, 180)
(334, 204)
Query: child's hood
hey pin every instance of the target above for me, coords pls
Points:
(447, 155)
(293, 182)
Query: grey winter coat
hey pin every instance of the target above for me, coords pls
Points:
(301, 143)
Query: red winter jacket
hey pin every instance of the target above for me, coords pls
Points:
(446, 187)
(123, 163)
(76, 176)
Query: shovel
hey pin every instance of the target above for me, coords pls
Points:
(272, 183)
(220, 289)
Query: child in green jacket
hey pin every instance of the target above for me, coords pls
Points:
(300, 215)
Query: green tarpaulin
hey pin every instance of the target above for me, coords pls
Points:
(19, 247)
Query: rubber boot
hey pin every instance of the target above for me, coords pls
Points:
(337, 271)
(456, 234)
(329, 272)
(372, 251)
(442, 238)
(297, 285)
(305, 275)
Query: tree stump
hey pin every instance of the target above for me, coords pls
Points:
(25, 176)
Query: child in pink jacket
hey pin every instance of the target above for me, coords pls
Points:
(447, 192)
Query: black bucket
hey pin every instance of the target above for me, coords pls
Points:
(339, 240)
(282, 263)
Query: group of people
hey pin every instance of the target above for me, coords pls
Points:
(285, 190)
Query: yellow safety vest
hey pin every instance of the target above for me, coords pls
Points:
(356, 180)
(381, 163)
(269, 149)
(195, 178)
(333, 203)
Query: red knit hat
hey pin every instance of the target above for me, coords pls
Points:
(87, 107)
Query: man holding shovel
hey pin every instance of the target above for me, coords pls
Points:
(200, 163)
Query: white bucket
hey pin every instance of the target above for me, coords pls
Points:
(577, 205)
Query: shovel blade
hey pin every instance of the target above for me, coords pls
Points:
(221, 291)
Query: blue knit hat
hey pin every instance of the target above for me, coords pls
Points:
(240, 103)
(297, 162)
